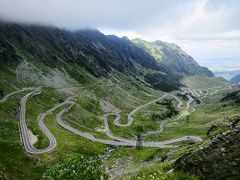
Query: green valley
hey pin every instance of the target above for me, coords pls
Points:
(84, 105)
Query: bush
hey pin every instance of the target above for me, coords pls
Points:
(181, 176)
(77, 167)
(235, 95)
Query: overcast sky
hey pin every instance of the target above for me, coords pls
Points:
(209, 30)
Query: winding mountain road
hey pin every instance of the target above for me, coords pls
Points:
(13, 93)
(130, 118)
(196, 93)
(117, 141)
(190, 100)
(24, 130)
(120, 141)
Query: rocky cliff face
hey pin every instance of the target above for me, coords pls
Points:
(172, 57)
(53, 48)
(219, 160)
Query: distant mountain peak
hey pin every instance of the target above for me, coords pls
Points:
(172, 56)
(235, 79)
(159, 64)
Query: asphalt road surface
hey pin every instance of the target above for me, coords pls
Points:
(117, 141)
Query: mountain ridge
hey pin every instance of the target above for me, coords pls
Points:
(107, 91)
(235, 79)
(172, 56)
(97, 53)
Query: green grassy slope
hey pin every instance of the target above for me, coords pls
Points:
(214, 112)
(128, 81)
(173, 57)
(123, 92)
(202, 82)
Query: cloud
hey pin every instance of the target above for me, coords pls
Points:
(75, 14)
(173, 19)
(202, 27)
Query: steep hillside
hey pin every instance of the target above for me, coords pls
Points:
(218, 157)
(235, 79)
(98, 96)
(197, 81)
(89, 49)
(219, 160)
(54, 48)
(173, 57)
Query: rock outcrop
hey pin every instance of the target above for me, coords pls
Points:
(219, 160)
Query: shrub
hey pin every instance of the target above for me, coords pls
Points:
(77, 167)
(181, 176)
